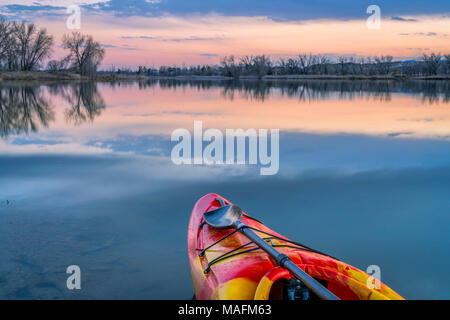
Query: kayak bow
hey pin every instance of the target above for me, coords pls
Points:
(226, 265)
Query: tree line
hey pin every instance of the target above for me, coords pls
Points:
(26, 47)
(310, 64)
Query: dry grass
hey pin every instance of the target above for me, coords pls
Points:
(37, 76)
(64, 76)
(42, 76)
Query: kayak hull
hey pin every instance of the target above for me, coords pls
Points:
(248, 273)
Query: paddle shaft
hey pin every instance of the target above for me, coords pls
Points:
(286, 263)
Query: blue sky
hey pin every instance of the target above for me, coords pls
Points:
(279, 10)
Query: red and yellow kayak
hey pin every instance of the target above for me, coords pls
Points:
(225, 265)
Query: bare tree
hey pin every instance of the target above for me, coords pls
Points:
(5, 35)
(306, 61)
(58, 65)
(230, 66)
(342, 61)
(8, 46)
(369, 68)
(384, 64)
(247, 63)
(361, 63)
(85, 53)
(33, 44)
(262, 65)
(303, 63)
(432, 62)
(351, 66)
(322, 63)
(447, 63)
(281, 67)
(291, 66)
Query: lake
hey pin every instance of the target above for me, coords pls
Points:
(86, 179)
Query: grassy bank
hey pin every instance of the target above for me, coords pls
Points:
(111, 77)
(65, 76)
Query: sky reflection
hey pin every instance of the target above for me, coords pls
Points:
(90, 118)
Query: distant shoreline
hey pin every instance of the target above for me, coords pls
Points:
(46, 76)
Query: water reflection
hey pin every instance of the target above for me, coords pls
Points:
(85, 100)
(25, 108)
(359, 178)
(429, 91)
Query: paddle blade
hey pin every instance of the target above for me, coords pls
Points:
(223, 218)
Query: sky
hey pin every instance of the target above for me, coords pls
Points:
(168, 32)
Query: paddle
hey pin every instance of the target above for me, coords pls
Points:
(230, 217)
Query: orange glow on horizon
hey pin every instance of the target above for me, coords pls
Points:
(171, 40)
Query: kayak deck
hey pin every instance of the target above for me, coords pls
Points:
(225, 265)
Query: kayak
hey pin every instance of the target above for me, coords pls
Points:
(226, 265)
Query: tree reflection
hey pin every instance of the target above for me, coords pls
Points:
(22, 110)
(85, 100)
(430, 91)
(26, 108)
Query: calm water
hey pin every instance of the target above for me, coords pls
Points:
(86, 179)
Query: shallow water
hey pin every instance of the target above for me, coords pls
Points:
(86, 178)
